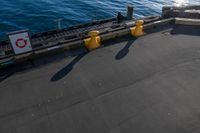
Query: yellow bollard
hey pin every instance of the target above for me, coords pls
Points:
(94, 41)
(138, 29)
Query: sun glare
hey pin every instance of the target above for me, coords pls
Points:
(181, 2)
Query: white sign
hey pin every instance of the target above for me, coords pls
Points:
(20, 42)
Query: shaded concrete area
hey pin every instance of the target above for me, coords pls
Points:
(65, 71)
(152, 87)
(123, 52)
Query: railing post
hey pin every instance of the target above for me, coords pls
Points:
(130, 10)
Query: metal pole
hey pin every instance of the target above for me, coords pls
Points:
(59, 23)
(130, 12)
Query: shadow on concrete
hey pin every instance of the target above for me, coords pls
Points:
(185, 30)
(5, 76)
(123, 52)
(11, 70)
(67, 69)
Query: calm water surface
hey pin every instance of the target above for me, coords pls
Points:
(40, 15)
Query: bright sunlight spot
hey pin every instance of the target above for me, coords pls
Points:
(181, 2)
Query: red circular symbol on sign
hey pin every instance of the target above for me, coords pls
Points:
(21, 43)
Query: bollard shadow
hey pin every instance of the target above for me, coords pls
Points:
(123, 52)
(67, 69)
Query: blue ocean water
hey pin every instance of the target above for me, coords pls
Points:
(40, 15)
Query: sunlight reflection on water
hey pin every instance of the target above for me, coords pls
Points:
(40, 15)
(181, 2)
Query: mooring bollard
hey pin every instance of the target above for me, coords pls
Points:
(94, 41)
(138, 29)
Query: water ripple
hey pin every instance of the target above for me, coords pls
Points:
(39, 15)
